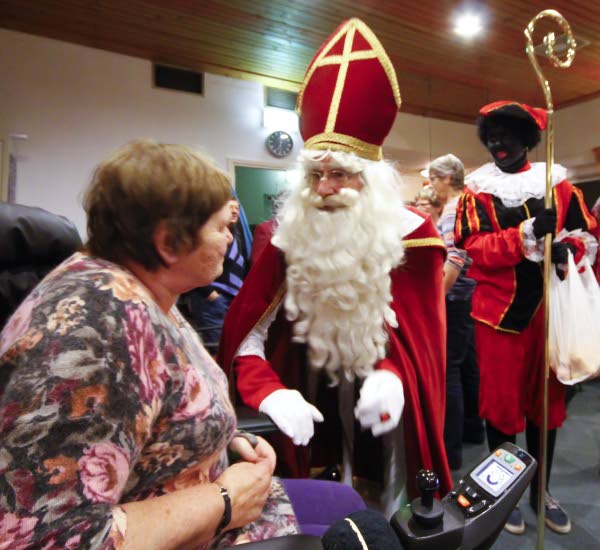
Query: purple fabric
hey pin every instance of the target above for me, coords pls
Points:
(318, 504)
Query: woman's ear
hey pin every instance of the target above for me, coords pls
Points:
(163, 243)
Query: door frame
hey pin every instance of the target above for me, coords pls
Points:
(232, 163)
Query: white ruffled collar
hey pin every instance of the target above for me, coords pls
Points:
(514, 189)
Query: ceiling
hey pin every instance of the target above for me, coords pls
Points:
(272, 41)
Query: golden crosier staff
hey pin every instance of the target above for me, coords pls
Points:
(549, 42)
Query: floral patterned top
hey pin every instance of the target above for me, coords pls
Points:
(104, 400)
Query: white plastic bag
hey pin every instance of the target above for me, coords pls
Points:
(574, 331)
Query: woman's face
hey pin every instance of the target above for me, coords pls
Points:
(441, 185)
(204, 263)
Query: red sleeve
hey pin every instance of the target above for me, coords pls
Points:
(478, 233)
(255, 379)
(495, 250)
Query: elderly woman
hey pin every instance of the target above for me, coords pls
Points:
(115, 422)
(427, 201)
(446, 175)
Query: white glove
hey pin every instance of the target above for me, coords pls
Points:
(293, 415)
(381, 402)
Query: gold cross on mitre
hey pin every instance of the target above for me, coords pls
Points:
(357, 44)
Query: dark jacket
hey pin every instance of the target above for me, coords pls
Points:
(32, 242)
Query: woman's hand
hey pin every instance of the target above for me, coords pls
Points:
(248, 487)
(262, 451)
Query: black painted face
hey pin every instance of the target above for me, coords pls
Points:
(506, 146)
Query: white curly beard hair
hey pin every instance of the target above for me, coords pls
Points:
(339, 263)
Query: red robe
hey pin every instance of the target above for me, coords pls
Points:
(417, 350)
(510, 287)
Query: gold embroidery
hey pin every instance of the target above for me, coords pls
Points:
(427, 241)
(342, 142)
(341, 81)
(344, 60)
(497, 327)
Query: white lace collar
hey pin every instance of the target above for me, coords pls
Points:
(514, 189)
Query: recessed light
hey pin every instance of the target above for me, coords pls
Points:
(468, 25)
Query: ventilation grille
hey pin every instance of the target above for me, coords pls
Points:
(173, 78)
(284, 99)
(560, 45)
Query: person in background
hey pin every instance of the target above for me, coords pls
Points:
(32, 242)
(501, 222)
(426, 201)
(346, 299)
(261, 237)
(116, 422)
(446, 175)
(206, 307)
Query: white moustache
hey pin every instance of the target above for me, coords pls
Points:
(345, 198)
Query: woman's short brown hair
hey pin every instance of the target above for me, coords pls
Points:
(142, 184)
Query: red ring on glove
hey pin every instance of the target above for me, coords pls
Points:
(384, 417)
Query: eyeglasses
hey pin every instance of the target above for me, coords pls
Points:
(339, 177)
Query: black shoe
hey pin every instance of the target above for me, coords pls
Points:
(515, 524)
(556, 518)
(330, 474)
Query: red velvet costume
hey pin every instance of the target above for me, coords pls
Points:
(507, 300)
(416, 351)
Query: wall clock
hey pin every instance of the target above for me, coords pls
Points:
(279, 144)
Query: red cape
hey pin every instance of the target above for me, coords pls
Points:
(417, 348)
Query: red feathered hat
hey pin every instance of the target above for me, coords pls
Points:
(518, 110)
(350, 95)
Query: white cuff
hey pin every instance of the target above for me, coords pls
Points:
(254, 343)
(589, 242)
(533, 249)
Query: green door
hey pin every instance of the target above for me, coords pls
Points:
(257, 188)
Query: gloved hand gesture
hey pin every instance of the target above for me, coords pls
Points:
(381, 402)
(544, 222)
(560, 252)
(293, 415)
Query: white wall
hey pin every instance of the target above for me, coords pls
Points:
(76, 104)
(577, 131)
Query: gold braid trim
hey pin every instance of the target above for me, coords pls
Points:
(348, 144)
(341, 142)
(427, 241)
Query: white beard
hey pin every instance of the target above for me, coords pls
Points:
(338, 272)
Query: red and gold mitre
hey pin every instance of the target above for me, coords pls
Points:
(517, 110)
(350, 96)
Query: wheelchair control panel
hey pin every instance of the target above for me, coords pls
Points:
(470, 516)
(474, 512)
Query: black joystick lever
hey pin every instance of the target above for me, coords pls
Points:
(427, 511)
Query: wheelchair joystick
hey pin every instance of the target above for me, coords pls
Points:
(427, 511)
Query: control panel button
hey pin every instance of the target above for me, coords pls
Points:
(509, 458)
(471, 493)
(498, 453)
(477, 507)
(463, 501)
(517, 467)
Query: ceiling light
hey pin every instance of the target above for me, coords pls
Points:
(468, 25)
